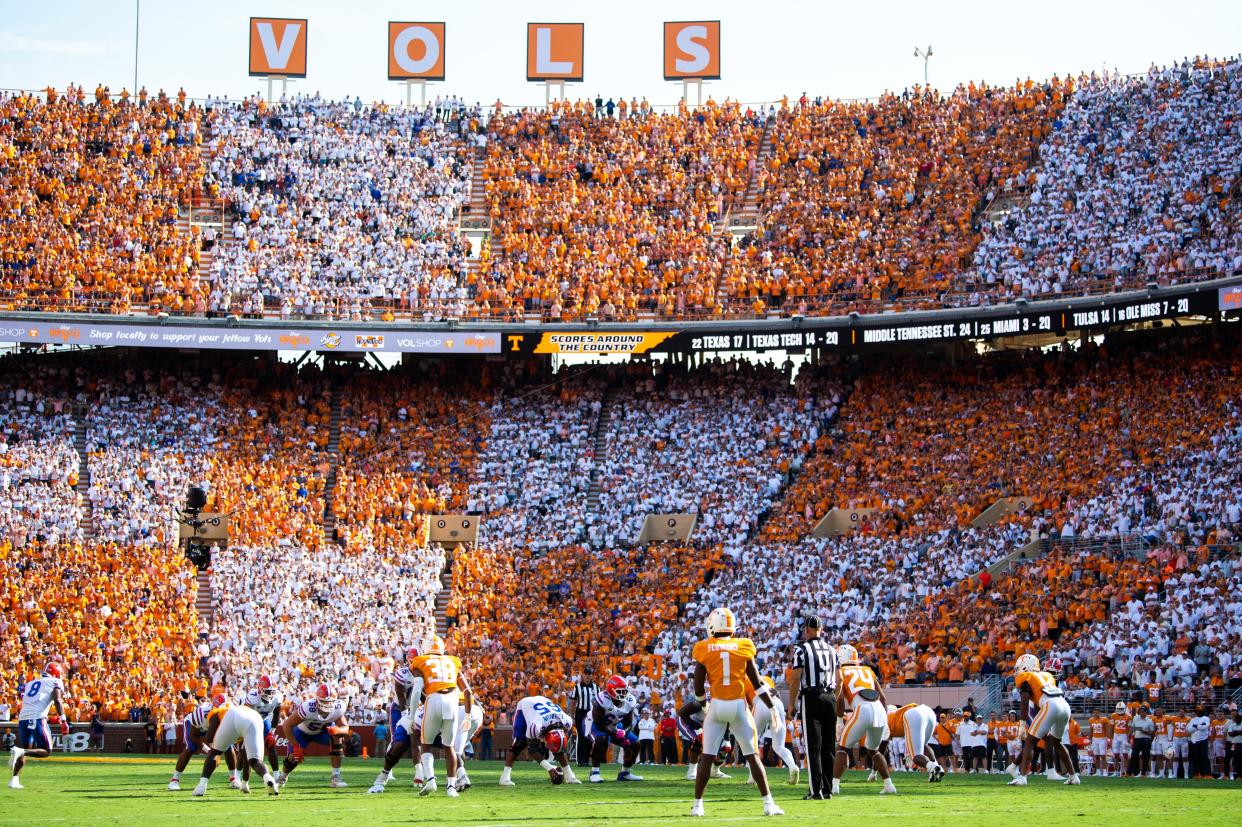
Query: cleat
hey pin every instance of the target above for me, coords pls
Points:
(201, 789)
(596, 778)
(14, 754)
(337, 783)
(1012, 769)
(716, 773)
(696, 809)
(463, 783)
(375, 789)
(570, 778)
(391, 776)
(888, 788)
(235, 783)
(1053, 775)
(428, 788)
(451, 792)
(626, 775)
(690, 773)
(1020, 781)
(836, 786)
(507, 782)
(772, 810)
(281, 778)
(794, 774)
(871, 775)
(174, 786)
(1073, 781)
(244, 787)
(15, 784)
(272, 787)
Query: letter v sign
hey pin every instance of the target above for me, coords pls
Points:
(277, 56)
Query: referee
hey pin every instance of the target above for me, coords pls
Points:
(815, 683)
(580, 700)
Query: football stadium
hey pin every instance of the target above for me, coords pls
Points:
(585, 423)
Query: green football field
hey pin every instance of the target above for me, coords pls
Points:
(131, 790)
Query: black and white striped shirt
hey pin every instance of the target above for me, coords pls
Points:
(584, 696)
(818, 662)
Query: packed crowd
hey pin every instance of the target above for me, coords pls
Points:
(90, 196)
(1138, 182)
(339, 209)
(611, 216)
(875, 201)
(718, 443)
(931, 445)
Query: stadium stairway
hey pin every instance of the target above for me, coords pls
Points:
(334, 444)
(744, 217)
(474, 215)
(202, 597)
(600, 444)
(442, 599)
(83, 488)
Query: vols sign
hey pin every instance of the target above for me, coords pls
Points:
(415, 51)
(554, 51)
(277, 47)
(692, 50)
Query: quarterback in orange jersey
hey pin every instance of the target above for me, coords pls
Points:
(727, 663)
(442, 681)
(1101, 731)
(861, 698)
(229, 724)
(1041, 695)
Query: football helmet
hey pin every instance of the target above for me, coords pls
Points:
(411, 654)
(54, 670)
(219, 698)
(847, 655)
(1026, 663)
(437, 646)
(1121, 706)
(267, 688)
(721, 621)
(617, 689)
(1053, 665)
(555, 741)
(325, 698)
(768, 682)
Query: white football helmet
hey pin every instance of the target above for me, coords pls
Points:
(1026, 663)
(721, 620)
(437, 646)
(847, 655)
(325, 698)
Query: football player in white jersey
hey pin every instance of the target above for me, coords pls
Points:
(614, 714)
(318, 720)
(228, 725)
(193, 741)
(764, 718)
(266, 700)
(690, 726)
(402, 715)
(34, 738)
(542, 727)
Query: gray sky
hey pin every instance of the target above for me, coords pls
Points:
(768, 48)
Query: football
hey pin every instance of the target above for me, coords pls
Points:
(556, 775)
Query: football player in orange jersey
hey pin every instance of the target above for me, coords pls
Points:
(728, 663)
(862, 706)
(442, 681)
(1101, 732)
(1039, 691)
(1162, 743)
(916, 724)
(1119, 723)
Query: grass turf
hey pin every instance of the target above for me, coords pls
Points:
(111, 789)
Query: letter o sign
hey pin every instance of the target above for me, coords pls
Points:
(415, 51)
